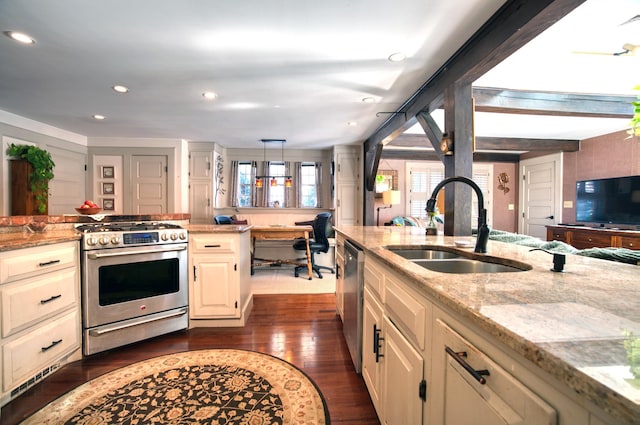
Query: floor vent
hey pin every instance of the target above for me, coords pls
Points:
(34, 379)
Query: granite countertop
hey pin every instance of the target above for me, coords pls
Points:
(569, 324)
(218, 228)
(17, 240)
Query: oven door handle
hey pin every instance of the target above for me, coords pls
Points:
(96, 255)
(155, 318)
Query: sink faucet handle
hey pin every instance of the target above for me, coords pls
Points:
(558, 259)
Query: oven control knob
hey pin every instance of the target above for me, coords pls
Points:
(91, 241)
(174, 236)
(183, 236)
(164, 237)
(103, 240)
(115, 240)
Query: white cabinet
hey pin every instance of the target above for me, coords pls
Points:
(348, 185)
(40, 320)
(372, 313)
(393, 343)
(403, 377)
(468, 387)
(219, 278)
(201, 186)
(340, 276)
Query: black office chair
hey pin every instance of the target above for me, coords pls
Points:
(223, 219)
(321, 230)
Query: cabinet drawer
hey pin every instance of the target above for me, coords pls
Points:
(630, 243)
(26, 302)
(500, 398)
(374, 278)
(28, 262)
(209, 244)
(24, 356)
(557, 235)
(406, 312)
(583, 240)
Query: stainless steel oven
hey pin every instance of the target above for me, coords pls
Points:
(134, 283)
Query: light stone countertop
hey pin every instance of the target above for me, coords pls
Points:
(569, 324)
(218, 228)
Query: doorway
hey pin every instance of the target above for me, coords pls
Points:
(540, 194)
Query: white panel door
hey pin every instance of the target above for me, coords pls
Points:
(67, 189)
(540, 196)
(149, 180)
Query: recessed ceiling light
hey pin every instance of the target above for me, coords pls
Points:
(352, 123)
(120, 88)
(368, 99)
(98, 117)
(397, 57)
(209, 95)
(20, 37)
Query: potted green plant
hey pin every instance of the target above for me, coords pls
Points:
(42, 171)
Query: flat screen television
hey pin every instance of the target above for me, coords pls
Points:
(609, 201)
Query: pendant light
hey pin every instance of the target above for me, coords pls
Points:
(273, 180)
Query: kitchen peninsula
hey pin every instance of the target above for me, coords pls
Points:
(553, 342)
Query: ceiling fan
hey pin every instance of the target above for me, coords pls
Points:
(627, 49)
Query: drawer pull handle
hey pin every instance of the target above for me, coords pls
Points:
(53, 344)
(376, 342)
(213, 246)
(48, 263)
(478, 375)
(53, 297)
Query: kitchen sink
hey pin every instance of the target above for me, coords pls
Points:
(446, 261)
(422, 254)
(467, 265)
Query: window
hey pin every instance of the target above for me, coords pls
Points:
(308, 185)
(305, 193)
(425, 176)
(245, 184)
(276, 193)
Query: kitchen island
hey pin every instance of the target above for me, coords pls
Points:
(561, 334)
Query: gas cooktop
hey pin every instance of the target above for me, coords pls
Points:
(124, 227)
(121, 235)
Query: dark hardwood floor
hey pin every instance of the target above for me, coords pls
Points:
(302, 329)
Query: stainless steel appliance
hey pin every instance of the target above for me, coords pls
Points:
(353, 300)
(134, 282)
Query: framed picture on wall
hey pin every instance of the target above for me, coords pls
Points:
(108, 172)
(107, 189)
(108, 204)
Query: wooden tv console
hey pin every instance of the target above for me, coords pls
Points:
(583, 237)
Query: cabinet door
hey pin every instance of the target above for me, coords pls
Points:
(347, 204)
(214, 291)
(371, 363)
(201, 201)
(200, 165)
(340, 277)
(403, 373)
(491, 397)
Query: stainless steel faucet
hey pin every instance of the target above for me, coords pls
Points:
(483, 229)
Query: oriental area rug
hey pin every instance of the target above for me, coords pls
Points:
(219, 387)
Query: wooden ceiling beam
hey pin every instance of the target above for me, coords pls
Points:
(509, 101)
(495, 143)
(425, 155)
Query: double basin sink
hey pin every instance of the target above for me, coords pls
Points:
(444, 261)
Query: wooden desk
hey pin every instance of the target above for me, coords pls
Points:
(281, 233)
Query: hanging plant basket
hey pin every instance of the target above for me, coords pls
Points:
(31, 170)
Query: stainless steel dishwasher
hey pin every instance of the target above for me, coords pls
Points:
(353, 299)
